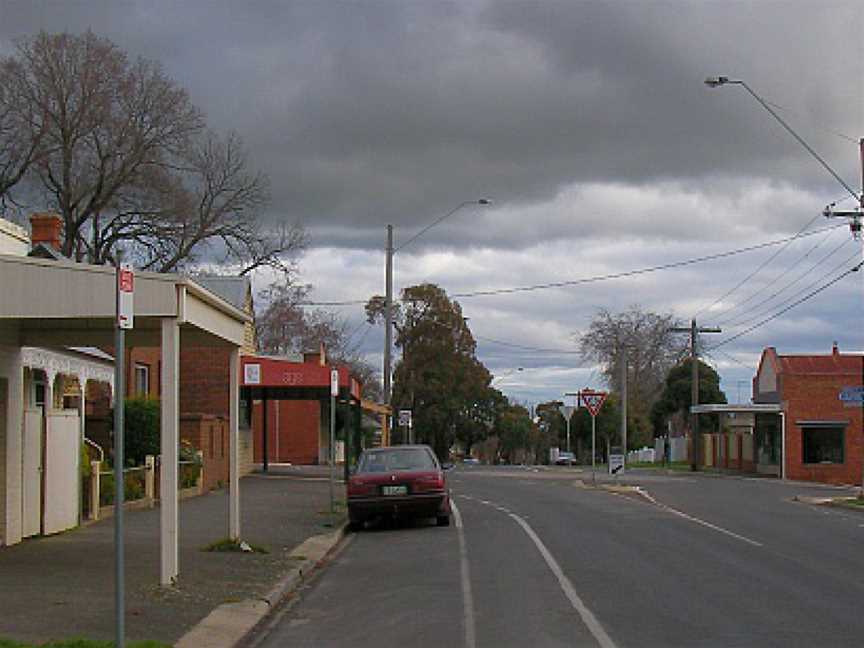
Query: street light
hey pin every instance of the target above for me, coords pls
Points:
(388, 304)
(718, 81)
(509, 373)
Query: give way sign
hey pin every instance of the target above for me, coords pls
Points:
(593, 400)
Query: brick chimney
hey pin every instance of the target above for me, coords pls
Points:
(45, 228)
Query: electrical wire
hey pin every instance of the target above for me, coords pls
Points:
(640, 271)
(606, 277)
(807, 297)
(755, 317)
(734, 320)
(757, 270)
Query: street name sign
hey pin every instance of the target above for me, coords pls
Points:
(852, 396)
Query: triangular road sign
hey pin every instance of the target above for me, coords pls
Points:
(566, 411)
(593, 400)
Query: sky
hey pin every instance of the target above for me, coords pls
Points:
(587, 124)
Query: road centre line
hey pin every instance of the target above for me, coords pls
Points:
(465, 577)
(586, 615)
(699, 521)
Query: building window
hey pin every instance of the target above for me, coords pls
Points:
(823, 444)
(142, 380)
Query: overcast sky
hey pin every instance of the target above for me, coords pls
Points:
(587, 124)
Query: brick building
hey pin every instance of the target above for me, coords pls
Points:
(204, 386)
(820, 437)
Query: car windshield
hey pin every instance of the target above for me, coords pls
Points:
(397, 460)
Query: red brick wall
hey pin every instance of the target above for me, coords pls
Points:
(209, 434)
(293, 428)
(816, 398)
(204, 380)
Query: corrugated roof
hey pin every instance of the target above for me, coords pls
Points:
(231, 289)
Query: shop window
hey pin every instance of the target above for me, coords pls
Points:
(823, 444)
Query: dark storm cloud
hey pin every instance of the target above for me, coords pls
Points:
(369, 112)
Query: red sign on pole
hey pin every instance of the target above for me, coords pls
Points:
(593, 400)
(125, 296)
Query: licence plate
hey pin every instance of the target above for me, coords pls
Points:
(394, 490)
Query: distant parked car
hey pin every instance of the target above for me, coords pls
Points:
(471, 461)
(564, 459)
(401, 481)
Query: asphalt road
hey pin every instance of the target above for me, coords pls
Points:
(539, 560)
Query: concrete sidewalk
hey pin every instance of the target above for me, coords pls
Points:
(63, 586)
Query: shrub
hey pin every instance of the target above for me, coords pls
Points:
(142, 429)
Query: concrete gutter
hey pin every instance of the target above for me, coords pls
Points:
(229, 623)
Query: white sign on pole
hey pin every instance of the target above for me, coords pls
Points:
(616, 464)
(405, 417)
(334, 382)
(567, 410)
(125, 296)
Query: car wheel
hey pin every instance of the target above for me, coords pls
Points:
(442, 520)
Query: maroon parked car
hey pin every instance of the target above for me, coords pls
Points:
(400, 481)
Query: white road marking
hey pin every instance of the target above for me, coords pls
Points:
(587, 616)
(467, 597)
(708, 525)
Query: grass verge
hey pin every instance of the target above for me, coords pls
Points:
(81, 643)
(231, 545)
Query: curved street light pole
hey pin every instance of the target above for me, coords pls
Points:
(388, 304)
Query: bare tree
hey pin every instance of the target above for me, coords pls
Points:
(284, 326)
(108, 123)
(651, 350)
(21, 128)
(211, 202)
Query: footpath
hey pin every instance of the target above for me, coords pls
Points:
(62, 586)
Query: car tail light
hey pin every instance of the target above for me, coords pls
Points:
(429, 483)
(358, 487)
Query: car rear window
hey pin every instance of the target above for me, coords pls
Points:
(397, 460)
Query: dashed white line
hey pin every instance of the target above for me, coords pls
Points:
(467, 597)
(701, 522)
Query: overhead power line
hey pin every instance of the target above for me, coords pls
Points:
(807, 297)
(744, 318)
(757, 270)
(606, 277)
(640, 271)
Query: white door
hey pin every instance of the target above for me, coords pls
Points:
(62, 483)
(31, 482)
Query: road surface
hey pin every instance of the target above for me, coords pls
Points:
(538, 560)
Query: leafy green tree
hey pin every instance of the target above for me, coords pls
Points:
(438, 376)
(514, 431)
(676, 396)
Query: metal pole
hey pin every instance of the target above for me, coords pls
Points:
(265, 432)
(694, 398)
(623, 359)
(119, 482)
(593, 449)
(332, 450)
(568, 434)
(388, 315)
